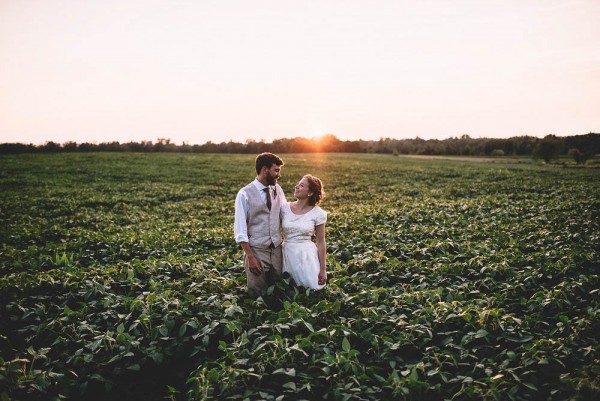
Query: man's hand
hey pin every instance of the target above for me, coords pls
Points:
(254, 265)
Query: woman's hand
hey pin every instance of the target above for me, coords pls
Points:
(322, 277)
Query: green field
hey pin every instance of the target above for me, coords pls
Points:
(448, 280)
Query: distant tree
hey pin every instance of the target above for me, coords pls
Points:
(505, 145)
(14, 148)
(579, 156)
(113, 146)
(523, 145)
(353, 146)
(51, 147)
(164, 145)
(548, 148)
(87, 147)
(497, 152)
(588, 144)
(70, 146)
(232, 147)
(405, 147)
(147, 146)
(329, 143)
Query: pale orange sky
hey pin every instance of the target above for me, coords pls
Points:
(194, 71)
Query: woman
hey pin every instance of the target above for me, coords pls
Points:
(300, 221)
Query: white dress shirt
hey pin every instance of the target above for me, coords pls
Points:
(240, 228)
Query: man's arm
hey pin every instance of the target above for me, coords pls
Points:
(240, 231)
(240, 224)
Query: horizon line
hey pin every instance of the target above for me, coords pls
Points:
(169, 141)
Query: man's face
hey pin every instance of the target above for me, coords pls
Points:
(273, 174)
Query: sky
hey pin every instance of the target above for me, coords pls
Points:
(195, 71)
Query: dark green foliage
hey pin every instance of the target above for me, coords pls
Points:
(548, 148)
(457, 146)
(579, 156)
(463, 280)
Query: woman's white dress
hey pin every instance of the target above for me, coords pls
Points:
(300, 258)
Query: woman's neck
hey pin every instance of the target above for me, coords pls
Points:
(302, 204)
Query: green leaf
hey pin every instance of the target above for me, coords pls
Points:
(135, 367)
(379, 378)
(309, 326)
(213, 375)
(157, 356)
(346, 344)
(290, 372)
(481, 333)
(296, 347)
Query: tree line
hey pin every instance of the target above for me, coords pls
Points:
(580, 147)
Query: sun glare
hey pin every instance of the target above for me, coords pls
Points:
(318, 135)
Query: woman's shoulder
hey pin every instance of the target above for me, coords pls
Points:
(320, 215)
(319, 210)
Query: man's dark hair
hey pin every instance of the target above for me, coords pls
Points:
(267, 160)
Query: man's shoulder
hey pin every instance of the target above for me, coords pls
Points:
(244, 190)
(247, 186)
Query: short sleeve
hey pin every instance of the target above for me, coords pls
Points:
(321, 217)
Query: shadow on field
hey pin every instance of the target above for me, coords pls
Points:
(168, 381)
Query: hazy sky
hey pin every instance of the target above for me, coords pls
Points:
(200, 70)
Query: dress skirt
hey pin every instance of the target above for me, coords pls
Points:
(301, 261)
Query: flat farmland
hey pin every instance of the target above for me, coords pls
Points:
(448, 280)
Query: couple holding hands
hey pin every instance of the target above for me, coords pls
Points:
(262, 215)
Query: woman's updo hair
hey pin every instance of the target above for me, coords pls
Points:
(316, 187)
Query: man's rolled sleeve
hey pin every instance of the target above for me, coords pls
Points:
(240, 225)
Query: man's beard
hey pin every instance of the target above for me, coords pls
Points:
(271, 180)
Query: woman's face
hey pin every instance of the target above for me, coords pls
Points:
(302, 191)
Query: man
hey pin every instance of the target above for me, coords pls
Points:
(257, 225)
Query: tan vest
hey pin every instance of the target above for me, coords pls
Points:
(263, 226)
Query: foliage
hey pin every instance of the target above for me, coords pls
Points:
(579, 156)
(456, 146)
(548, 148)
(448, 279)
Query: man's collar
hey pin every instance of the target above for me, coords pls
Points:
(259, 184)
(261, 187)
